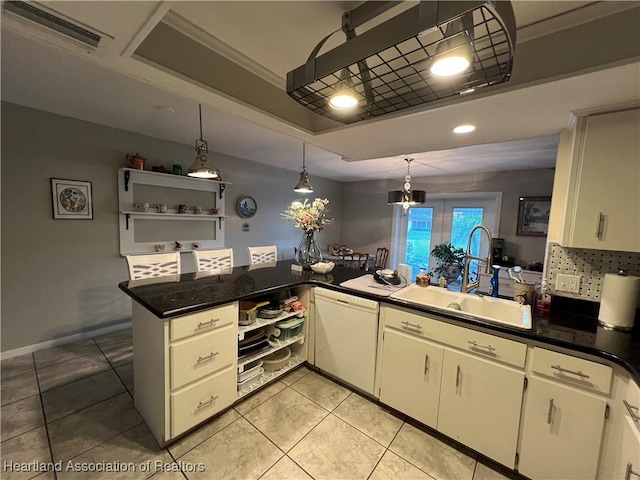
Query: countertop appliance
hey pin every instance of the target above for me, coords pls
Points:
(347, 337)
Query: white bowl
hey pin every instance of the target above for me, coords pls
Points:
(322, 267)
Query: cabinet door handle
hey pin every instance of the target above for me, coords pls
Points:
(457, 376)
(630, 409)
(599, 226)
(415, 326)
(629, 472)
(426, 364)
(475, 344)
(572, 372)
(207, 402)
(207, 324)
(550, 412)
(208, 357)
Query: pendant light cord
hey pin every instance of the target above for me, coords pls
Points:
(303, 156)
(200, 111)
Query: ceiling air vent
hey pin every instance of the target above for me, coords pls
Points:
(46, 19)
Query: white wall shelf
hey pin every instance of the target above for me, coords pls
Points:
(176, 187)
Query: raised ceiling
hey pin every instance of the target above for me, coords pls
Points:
(570, 56)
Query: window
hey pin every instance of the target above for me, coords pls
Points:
(444, 220)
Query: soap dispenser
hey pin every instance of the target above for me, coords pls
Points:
(494, 284)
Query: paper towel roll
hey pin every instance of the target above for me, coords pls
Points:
(618, 301)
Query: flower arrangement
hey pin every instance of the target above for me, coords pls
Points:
(309, 216)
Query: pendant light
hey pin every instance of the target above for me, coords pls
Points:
(345, 96)
(201, 167)
(453, 54)
(407, 197)
(303, 185)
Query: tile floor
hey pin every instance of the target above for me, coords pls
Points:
(74, 404)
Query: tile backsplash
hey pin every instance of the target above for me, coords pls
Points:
(591, 264)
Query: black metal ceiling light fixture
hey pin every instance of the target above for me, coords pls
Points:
(432, 51)
(303, 185)
(407, 197)
(201, 167)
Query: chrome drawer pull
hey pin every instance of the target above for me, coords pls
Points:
(207, 324)
(631, 409)
(475, 344)
(550, 411)
(411, 325)
(426, 364)
(564, 370)
(629, 472)
(599, 226)
(208, 402)
(208, 357)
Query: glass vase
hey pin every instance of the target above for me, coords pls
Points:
(309, 251)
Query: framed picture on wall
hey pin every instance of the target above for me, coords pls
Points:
(533, 216)
(71, 199)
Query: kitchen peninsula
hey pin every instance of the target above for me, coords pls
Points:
(174, 315)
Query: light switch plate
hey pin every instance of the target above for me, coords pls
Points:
(568, 283)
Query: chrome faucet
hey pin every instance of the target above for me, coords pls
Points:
(466, 285)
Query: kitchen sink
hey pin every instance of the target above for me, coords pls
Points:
(497, 310)
(508, 312)
(430, 296)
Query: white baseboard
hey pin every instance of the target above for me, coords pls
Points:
(64, 340)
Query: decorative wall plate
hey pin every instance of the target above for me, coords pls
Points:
(247, 206)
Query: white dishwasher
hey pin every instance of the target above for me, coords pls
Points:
(347, 337)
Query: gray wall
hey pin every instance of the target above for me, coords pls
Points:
(60, 277)
(367, 219)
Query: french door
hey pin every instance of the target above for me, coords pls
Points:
(448, 220)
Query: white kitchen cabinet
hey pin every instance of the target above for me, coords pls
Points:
(599, 177)
(183, 368)
(410, 379)
(621, 442)
(480, 405)
(561, 432)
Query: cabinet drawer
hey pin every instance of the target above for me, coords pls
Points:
(201, 400)
(419, 325)
(489, 346)
(571, 370)
(483, 344)
(201, 322)
(197, 357)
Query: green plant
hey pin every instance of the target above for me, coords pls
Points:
(450, 260)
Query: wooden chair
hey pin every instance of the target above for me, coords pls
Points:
(153, 265)
(213, 260)
(380, 261)
(356, 260)
(264, 254)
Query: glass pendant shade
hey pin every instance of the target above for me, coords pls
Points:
(200, 167)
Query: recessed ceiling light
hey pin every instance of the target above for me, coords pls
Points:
(464, 129)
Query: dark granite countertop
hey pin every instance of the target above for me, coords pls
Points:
(571, 324)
